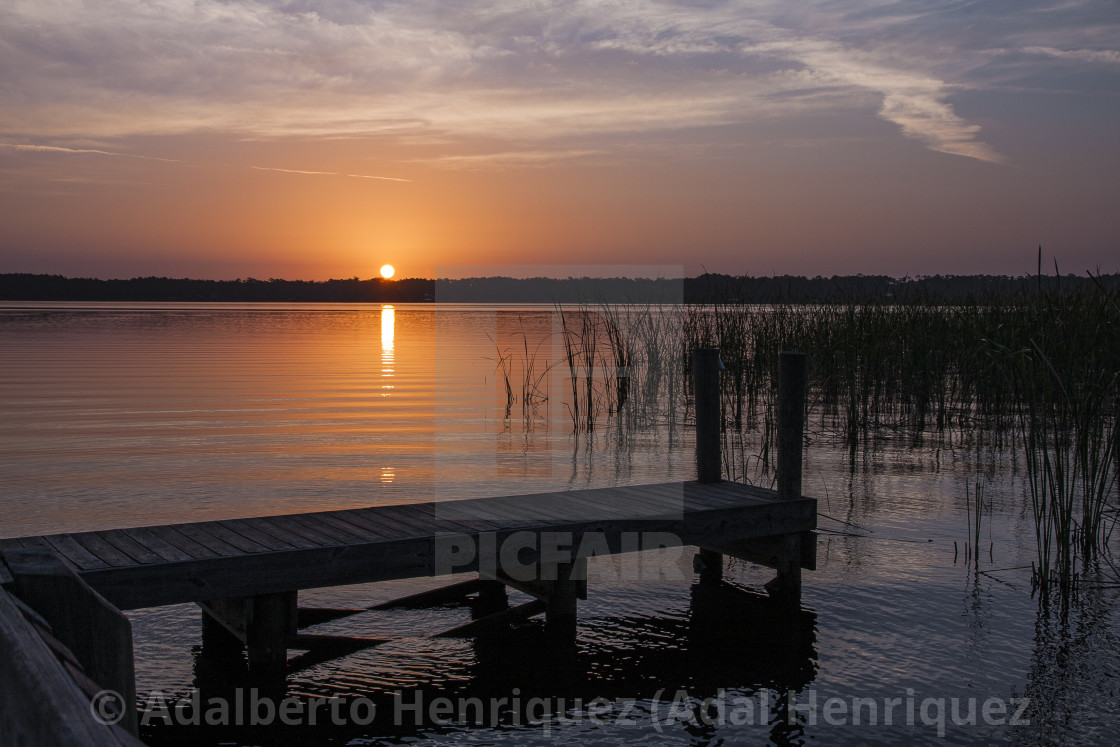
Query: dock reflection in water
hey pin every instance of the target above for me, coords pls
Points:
(732, 654)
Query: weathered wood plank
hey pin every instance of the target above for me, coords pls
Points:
(12, 542)
(441, 510)
(434, 597)
(173, 536)
(496, 621)
(260, 527)
(212, 542)
(404, 523)
(127, 544)
(162, 547)
(41, 703)
(98, 546)
(262, 573)
(317, 523)
(471, 510)
(440, 524)
(352, 529)
(290, 525)
(230, 537)
(508, 511)
(71, 551)
(97, 634)
(369, 522)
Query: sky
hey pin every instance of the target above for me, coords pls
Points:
(314, 139)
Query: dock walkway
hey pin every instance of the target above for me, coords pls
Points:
(196, 562)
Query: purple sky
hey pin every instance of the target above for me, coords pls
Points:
(317, 138)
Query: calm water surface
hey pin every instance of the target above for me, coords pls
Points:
(124, 414)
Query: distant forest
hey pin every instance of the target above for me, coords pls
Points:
(706, 288)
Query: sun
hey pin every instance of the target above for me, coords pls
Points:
(387, 271)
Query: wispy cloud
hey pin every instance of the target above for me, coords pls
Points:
(330, 173)
(31, 148)
(519, 71)
(56, 149)
(510, 158)
(1101, 56)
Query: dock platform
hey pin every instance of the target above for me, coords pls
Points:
(197, 562)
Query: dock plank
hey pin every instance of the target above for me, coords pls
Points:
(367, 520)
(198, 533)
(323, 524)
(162, 547)
(294, 530)
(72, 552)
(99, 547)
(120, 539)
(439, 524)
(173, 536)
(400, 523)
(443, 510)
(272, 537)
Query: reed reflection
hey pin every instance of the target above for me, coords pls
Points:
(388, 330)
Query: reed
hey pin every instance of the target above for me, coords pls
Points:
(1067, 402)
(1034, 370)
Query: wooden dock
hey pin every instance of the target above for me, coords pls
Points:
(197, 562)
(246, 573)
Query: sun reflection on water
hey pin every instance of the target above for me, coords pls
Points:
(387, 357)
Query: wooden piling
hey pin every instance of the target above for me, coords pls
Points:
(786, 586)
(705, 376)
(264, 622)
(791, 423)
(560, 604)
(709, 467)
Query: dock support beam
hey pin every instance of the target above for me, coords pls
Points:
(560, 600)
(706, 366)
(265, 623)
(786, 586)
(705, 377)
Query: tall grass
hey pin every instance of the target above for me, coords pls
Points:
(1037, 371)
(1067, 401)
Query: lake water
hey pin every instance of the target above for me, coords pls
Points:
(125, 414)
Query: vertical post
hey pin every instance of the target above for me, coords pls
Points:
(709, 564)
(264, 622)
(791, 423)
(492, 598)
(270, 626)
(786, 586)
(560, 610)
(705, 377)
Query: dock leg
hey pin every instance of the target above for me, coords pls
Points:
(786, 586)
(492, 598)
(709, 564)
(569, 586)
(216, 640)
(264, 623)
(271, 626)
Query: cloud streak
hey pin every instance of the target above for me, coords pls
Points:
(31, 148)
(517, 71)
(330, 173)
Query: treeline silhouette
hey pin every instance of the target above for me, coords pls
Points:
(707, 288)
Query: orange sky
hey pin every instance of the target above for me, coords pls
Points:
(315, 140)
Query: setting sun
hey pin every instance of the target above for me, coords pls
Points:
(387, 271)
